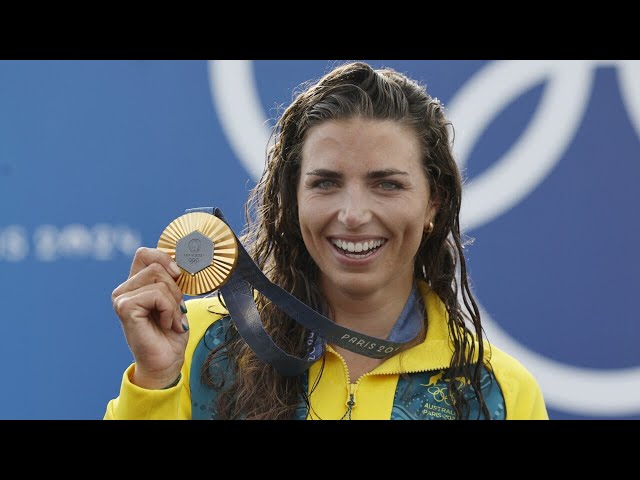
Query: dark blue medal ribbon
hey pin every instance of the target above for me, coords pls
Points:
(239, 300)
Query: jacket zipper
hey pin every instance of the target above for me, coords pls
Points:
(353, 387)
(351, 401)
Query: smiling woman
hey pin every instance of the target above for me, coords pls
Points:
(356, 215)
(363, 203)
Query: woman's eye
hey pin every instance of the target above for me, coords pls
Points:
(324, 184)
(389, 185)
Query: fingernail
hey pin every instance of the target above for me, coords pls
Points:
(175, 269)
(183, 307)
(185, 324)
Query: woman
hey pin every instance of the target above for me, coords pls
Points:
(357, 215)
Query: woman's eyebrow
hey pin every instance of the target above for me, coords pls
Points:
(387, 172)
(322, 172)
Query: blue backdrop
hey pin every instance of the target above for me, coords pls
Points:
(97, 157)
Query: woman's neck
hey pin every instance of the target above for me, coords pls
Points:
(372, 313)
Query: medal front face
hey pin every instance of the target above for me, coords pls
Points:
(194, 252)
(205, 249)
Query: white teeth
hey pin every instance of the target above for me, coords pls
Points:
(357, 247)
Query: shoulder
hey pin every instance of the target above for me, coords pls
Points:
(522, 394)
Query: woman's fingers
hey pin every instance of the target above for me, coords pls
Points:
(150, 303)
(145, 257)
(151, 274)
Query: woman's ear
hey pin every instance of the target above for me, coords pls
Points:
(430, 215)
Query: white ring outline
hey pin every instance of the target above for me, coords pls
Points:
(520, 170)
(565, 387)
(235, 97)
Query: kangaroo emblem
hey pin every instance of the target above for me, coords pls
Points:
(433, 379)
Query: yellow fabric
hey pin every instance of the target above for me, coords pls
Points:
(373, 392)
(522, 395)
(173, 403)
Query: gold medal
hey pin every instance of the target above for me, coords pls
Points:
(205, 249)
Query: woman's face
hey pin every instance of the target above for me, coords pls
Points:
(363, 204)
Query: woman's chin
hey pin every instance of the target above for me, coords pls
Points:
(352, 286)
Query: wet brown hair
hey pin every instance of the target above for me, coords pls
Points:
(274, 240)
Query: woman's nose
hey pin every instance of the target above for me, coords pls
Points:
(354, 211)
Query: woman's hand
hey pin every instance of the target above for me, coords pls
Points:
(150, 307)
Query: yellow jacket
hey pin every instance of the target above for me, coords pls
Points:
(375, 395)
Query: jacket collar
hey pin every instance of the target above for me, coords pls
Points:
(435, 352)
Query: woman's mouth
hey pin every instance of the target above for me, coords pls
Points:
(357, 250)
